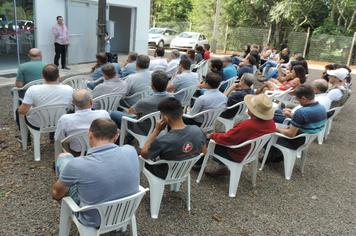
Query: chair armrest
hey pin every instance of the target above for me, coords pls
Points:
(130, 119)
(152, 163)
(287, 121)
(284, 136)
(71, 204)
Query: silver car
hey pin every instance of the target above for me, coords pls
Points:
(160, 36)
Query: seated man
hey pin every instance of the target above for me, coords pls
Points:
(337, 93)
(159, 63)
(261, 112)
(216, 67)
(96, 73)
(270, 63)
(145, 106)
(45, 94)
(138, 81)
(246, 66)
(180, 143)
(184, 78)
(266, 54)
(107, 173)
(211, 99)
(320, 87)
(130, 64)
(310, 118)
(241, 90)
(80, 120)
(111, 84)
(173, 64)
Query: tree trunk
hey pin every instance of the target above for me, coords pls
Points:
(351, 21)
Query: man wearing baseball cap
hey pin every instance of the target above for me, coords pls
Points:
(337, 92)
(261, 123)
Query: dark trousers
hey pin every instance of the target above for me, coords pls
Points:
(60, 51)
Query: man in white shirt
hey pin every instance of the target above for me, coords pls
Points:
(337, 91)
(211, 99)
(173, 64)
(80, 120)
(159, 63)
(111, 84)
(183, 78)
(45, 94)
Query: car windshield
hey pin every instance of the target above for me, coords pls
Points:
(188, 35)
(18, 22)
(156, 31)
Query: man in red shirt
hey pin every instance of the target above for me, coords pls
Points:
(261, 123)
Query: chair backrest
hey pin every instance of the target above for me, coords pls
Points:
(334, 111)
(199, 69)
(49, 115)
(82, 138)
(187, 95)
(109, 102)
(34, 82)
(308, 139)
(141, 94)
(153, 118)
(205, 66)
(278, 95)
(78, 82)
(256, 146)
(173, 70)
(209, 118)
(117, 212)
(229, 82)
(241, 110)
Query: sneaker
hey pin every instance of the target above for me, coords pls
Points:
(196, 167)
(20, 140)
(218, 172)
(51, 137)
(262, 80)
(66, 68)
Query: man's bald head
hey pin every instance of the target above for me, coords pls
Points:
(82, 99)
(35, 54)
(320, 86)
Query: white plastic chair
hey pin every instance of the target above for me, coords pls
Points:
(290, 155)
(240, 116)
(173, 70)
(205, 67)
(96, 82)
(48, 116)
(141, 138)
(229, 82)
(324, 133)
(115, 215)
(178, 171)
(279, 95)
(64, 145)
(199, 69)
(210, 117)
(187, 95)
(139, 95)
(78, 82)
(234, 167)
(109, 102)
(16, 98)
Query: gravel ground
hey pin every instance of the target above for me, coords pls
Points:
(319, 201)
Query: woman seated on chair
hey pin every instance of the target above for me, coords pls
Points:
(287, 76)
(298, 74)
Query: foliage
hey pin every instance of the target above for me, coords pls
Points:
(330, 27)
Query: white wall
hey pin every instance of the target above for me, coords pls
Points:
(46, 12)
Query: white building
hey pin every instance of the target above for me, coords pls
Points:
(80, 16)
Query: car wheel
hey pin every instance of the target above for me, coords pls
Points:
(161, 44)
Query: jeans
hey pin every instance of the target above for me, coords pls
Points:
(279, 118)
(72, 192)
(268, 65)
(236, 60)
(273, 74)
(92, 85)
(117, 117)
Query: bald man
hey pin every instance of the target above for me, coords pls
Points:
(31, 70)
(79, 121)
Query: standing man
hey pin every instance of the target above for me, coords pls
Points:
(61, 42)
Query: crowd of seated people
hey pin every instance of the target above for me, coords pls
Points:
(140, 73)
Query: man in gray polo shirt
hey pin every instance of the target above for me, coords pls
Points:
(184, 78)
(147, 105)
(107, 173)
(138, 81)
(111, 84)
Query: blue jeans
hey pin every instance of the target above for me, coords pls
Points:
(72, 192)
(236, 60)
(278, 118)
(273, 74)
(92, 85)
(268, 65)
(117, 117)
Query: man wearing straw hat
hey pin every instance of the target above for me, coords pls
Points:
(261, 123)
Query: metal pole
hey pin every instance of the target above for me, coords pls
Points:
(216, 26)
(227, 28)
(190, 25)
(351, 49)
(306, 43)
(101, 26)
(16, 35)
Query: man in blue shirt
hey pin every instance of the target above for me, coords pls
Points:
(246, 66)
(229, 70)
(130, 64)
(310, 118)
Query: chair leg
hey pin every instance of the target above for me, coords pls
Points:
(188, 192)
(156, 194)
(204, 163)
(175, 187)
(254, 171)
(321, 136)
(65, 220)
(235, 173)
(24, 132)
(304, 159)
(36, 145)
(133, 225)
(289, 160)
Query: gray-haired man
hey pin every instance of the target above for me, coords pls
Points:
(175, 55)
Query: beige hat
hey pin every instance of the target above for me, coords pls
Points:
(260, 106)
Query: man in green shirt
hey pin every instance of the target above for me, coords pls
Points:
(31, 70)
